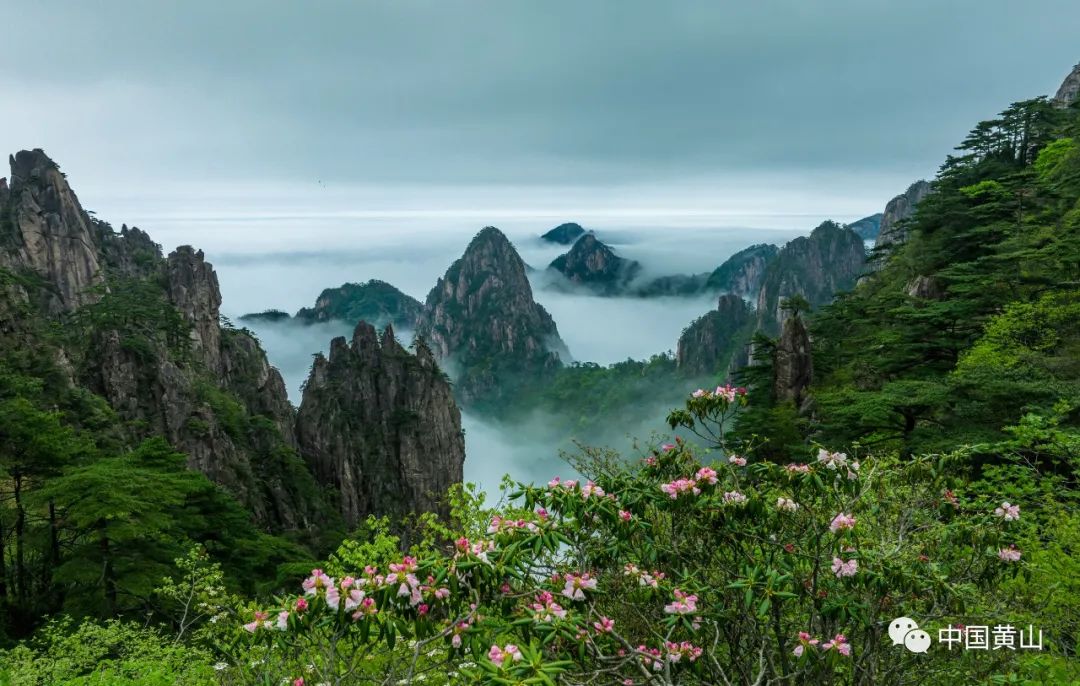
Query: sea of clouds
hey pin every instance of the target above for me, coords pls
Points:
(273, 255)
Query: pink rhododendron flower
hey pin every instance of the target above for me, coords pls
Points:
(805, 641)
(500, 655)
(282, 620)
(554, 482)
(798, 468)
(737, 461)
(259, 623)
(1010, 554)
(786, 505)
(545, 609)
(604, 626)
(318, 581)
(677, 651)
(1008, 512)
(442, 593)
(353, 599)
(577, 584)
(298, 682)
(591, 489)
(684, 604)
(832, 460)
(650, 657)
(624, 515)
(838, 643)
(841, 568)
(706, 474)
(734, 497)
(680, 486)
(842, 522)
(301, 604)
(699, 393)
(366, 609)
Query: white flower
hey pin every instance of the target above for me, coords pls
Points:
(221, 666)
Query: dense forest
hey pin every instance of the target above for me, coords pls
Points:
(927, 468)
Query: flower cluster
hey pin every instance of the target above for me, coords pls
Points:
(545, 609)
(1008, 512)
(650, 579)
(499, 655)
(684, 649)
(842, 522)
(786, 504)
(684, 604)
(734, 498)
(1010, 554)
(680, 486)
(727, 392)
(577, 584)
(843, 568)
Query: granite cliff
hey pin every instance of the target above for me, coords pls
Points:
(379, 427)
(481, 318)
(594, 265)
(716, 342)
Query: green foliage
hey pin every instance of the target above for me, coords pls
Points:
(112, 653)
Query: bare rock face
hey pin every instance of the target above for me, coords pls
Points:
(482, 319)
(793, 365)
(892, 231)
(816, 267)
(193, 289)
(743, 273)
(593, 264)
(44, 229)
(714, 343)
(379, 426)
(1070, 89)
(926, 288)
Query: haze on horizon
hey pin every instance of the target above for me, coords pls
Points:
(562, 107)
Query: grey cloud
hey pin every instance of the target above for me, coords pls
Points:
(487, 92)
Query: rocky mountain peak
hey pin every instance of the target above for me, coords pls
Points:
(48, 232)
(793, 366)
(714, 343)
(482, 314)
(374, 301)
(194, 290)
(593, 264)
(743, 272)
(817, 267)
(564, 234)
(381, 427)
(892, 231)
(1069, 90)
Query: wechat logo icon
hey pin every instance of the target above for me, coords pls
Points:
(904, 631)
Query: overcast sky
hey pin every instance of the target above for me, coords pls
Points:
(138, 96)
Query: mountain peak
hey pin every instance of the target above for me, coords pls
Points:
(482, 314)
(564, 234)
(592, 263)
(1070, 88)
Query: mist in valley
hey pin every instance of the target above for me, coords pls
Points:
(288, 272)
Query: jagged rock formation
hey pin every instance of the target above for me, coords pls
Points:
(564, 234)
(893, 230)
(793, 365)
(144, 336)
(868, 228)
(743, 272)
(194, 290)
(816, 267)
(380, 427)
(43, 229)
(481, 316)
(591, 263)
(375, 301)
(1069, 90)
(715, 342)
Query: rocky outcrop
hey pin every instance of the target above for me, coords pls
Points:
(901, 208)
(793, 365)
(816, 267)
(1069, 90)
(926, 288)
(564, 234)
(742, 273)
(481, 318)
(716, 342)
(868, 228)
(44, 229)
(376, 302)
(379, 426)
(194, 291)
(594, 265)
(129, 254)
